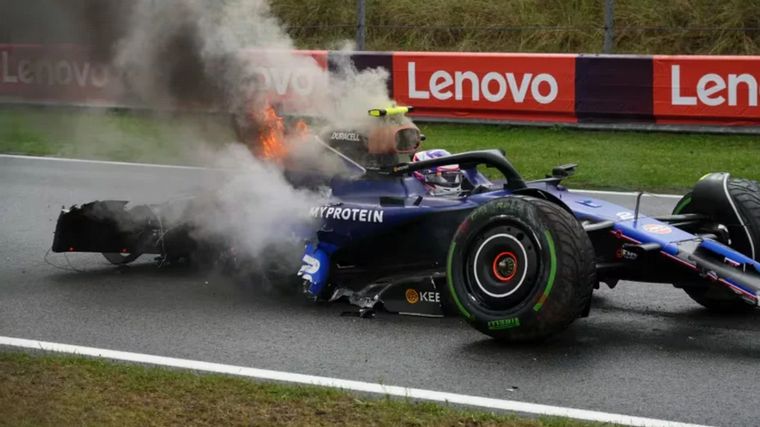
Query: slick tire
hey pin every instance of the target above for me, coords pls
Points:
(521, 269)
(117, 258)
(746, 197)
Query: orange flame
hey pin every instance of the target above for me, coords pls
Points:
(272, 134)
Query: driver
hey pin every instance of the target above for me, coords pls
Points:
(438, 180)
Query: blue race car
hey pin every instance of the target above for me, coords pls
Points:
(433, 235)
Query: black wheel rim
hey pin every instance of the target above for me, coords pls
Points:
(502, 267)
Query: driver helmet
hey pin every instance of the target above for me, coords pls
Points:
(439, 179)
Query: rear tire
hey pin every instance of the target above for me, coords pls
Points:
(117, 258)
(746, 197)
(521, 269)
(138, 224)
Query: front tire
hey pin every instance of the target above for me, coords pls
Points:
(521, 269)
(745, 195)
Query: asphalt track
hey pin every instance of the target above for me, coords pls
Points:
(646, 350)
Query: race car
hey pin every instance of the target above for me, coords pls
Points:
(429, 233)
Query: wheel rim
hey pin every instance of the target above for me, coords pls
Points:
(505, 266)
(502, 267)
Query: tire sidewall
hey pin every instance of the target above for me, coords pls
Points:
(537, 309)
(709, 295)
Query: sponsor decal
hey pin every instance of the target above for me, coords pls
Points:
(56, 73)
(504, 324)
(486, 85)
(296, 86)
(412, 296)
(714, 88)
(310, 266)
(283, 81)
(711, 89)
(347, 214)
(590, 203)
(624, 216)
(657, 228)
(430, 296)
(625, 254)
(52, 72)
(346, 136)
(492, 86)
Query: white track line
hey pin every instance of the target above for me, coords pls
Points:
(625, 193)
(157, 165)
(360, 386)
(102, 162)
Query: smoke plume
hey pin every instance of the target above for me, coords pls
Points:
(234, 55)
(228, 56)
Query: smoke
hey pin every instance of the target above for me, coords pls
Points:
(255, 209)
(235, 56)
(221, 55)
(191, 52)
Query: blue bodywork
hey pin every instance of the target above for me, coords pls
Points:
(373, 205)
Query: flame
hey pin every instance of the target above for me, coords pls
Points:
(273, 135)
(302, 129)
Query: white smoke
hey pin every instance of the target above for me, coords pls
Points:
(235, 53)
(256, 208)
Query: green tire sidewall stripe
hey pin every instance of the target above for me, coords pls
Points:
(450, 281)
(552, 271)
(681, 205)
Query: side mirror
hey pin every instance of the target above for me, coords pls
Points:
(563, 171)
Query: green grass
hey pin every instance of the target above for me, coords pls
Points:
(102, 134)
(571, 26)
(62, 390)
(649, 161)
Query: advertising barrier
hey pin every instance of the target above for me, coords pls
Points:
(487, 86)
(56, 74)
(296, 83)
(706, 90)
(613, 89)
(501, 87)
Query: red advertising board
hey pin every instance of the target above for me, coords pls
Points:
(487, 85)
(297, 81)
(55, 73)
(700, 90)
(65, 74)
(706, 90)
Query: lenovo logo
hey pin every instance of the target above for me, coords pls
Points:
(284, 80)
(491, 86)
(714, 89)
(41, 71)
(499, 86)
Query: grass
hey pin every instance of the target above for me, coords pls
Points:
(665, 162)
(572, 26)
(109, 135)
(652, 161)
(51, 390)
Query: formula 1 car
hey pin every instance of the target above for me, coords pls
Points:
(433, 235)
